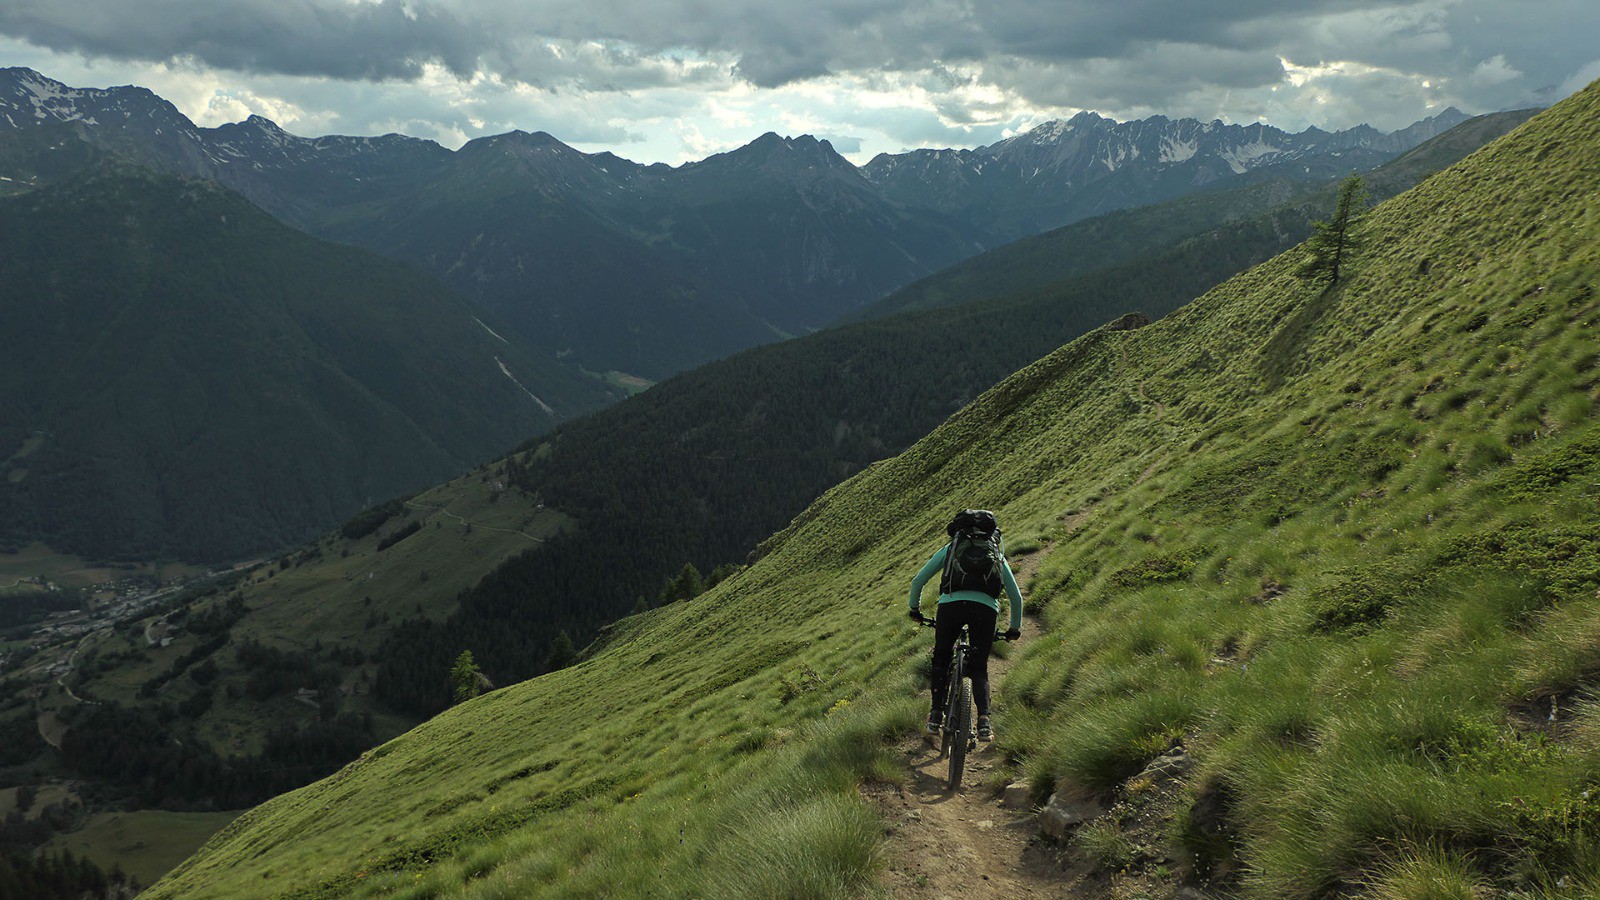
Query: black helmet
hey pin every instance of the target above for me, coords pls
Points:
(973, 520)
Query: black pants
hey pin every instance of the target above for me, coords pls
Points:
(979, 620)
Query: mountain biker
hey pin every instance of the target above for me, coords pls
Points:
(970, 598)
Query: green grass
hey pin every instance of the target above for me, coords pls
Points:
(146, 844)
(1104, 845)
(1340, 591)
(1431, 874)
(633, 384)
(48, 794)
(326, 593)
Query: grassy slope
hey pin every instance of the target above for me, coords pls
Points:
(1409, 461)
(708, 463)
(1116, 238)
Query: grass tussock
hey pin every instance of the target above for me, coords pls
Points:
(1430, 874)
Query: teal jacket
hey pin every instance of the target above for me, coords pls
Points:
(935, 565)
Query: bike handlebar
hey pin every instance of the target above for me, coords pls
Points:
(929, 623)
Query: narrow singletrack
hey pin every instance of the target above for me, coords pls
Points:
(1159, 408)
(964, 843)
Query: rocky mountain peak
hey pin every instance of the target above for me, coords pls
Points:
(28, 98)
(264, 124)
(772, 152)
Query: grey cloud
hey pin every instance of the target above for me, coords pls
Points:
(1145, 79)
(1120, 58)
(592, 66)
(1547, 44)
(1083, 29)
(780, 65)
(384, 39)
(911, 128)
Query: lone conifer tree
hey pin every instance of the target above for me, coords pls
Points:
(1333, 242)
(562, 653)
(465, 676)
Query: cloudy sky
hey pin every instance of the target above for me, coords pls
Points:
(673, 80)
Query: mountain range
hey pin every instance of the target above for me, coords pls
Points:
(504, 558)
(1063, 171)
(648, 270)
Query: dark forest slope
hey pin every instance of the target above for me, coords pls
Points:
(188, 378)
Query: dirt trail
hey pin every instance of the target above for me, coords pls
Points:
(1158, 407)
(964, 844)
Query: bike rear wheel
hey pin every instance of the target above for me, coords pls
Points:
(960, 722)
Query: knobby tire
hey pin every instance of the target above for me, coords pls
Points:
(959, 732)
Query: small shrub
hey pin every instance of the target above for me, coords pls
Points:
(1159, 569)
(1558, 833)
(1358, 601)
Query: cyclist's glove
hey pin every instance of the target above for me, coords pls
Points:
(1013, 633)
(916, 616)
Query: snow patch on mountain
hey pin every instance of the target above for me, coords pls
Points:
(1116, 156)
(1175, 150)
(44, 90)
(1243, 157)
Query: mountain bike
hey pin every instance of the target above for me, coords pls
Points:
(957, 736)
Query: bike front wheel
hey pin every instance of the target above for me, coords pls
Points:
(960, 731)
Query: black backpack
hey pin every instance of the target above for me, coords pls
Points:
(974, 562)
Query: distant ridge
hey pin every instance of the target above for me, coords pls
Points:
(1126, 235)
(1065, 170)
(649, 270)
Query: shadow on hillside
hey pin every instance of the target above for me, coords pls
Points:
(1282, 356)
